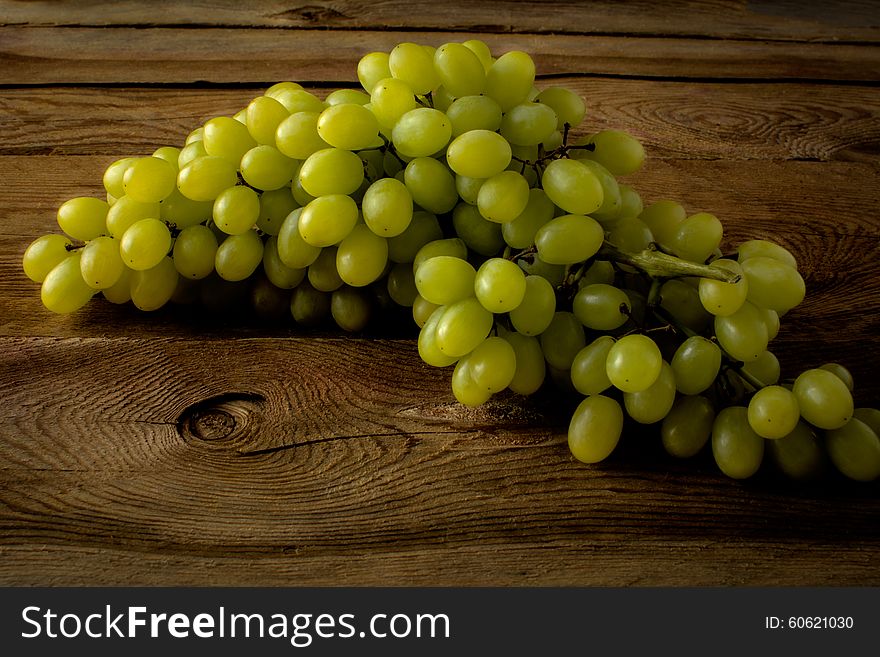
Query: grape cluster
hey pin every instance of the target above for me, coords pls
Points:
(455, 187)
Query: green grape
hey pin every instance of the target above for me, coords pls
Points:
(411, 63)
(227, 138)
(331, 171)
(453, 246)
(179, 211)
(361, 257)
(323, 274)
(634, 363)
(279, 88)
(588, 372)
(308, 306)
(824, 399)
(520, 233)
(773, 412)
(773, 284)
(293, 250)
(870, 416)
(569, 239)
(126, 212)
(263, 116)
(464, 325)
(421, 132)
(145, 244)
(266, 168)
(766, 249)
(737, 449)
(429, 350)
(236, 210)
(279, 274)
(401, 285)
(297, 135)
(196, 135)
(609, 210)
(630, 234)
(300, 195)
(347, 97)
(390, 99)
(190, 152)
(431, 185)
(204, 178)
(445, 279)
(63, 290)
(534, 266)
(799, 454)
(743, 334)
(630, 202)
(528, 124)
(765, 368)
(500, 285)
(663, 218)
(371, 68)
(152, 288)
(572, 186)
(269, 303)
(478, 154)
(43, 254)
(601, 271)
(149, 179)
(687, 427)
(480, 235)
(854, 449)
(114, 176)
(83, 218)
(567, 105)
(697, 237)
(328, 220)
(275, 206)
(468, 188)
(503, 197)
(530, 366)
(562, 340)
(422, 309)
(510, 79)
(120, 291)
(720, 298)
(101, 264)
(474, 113)
(459, 69)
(601, 307)
(464, 387)
(683, 302)
(771, 321)
(350, 308)
(536, 310)
(350, 127)
(841, 373)
(481, 50)
(654, 402)
(423, 228)
(194, 251)
(552, 142)
(238, 256)
(388, 207)
(492, 364)
(696, 364)
(595, 429)
(617, 151)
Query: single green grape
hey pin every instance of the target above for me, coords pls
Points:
(464, 325)
(737, 449)
(149, 179)
(145, 244)
(391, 99)
(411, 63)
(101, 264)
(236, 210)
(687, 427)
(361, 257)
(493, 364)
(297, 136)
(601, 307)
(569, 239)
(500, 285)
(83, 218)
(538, 306)
(619, 152)
(654, 402)
(350, 308)
(742, 334)
(176, 209)
(634, 363)
(293, 250)
(631, 234)
(387, 207)
(265, 167)
(824, 399)
(328, 220)
(63, 290)
(663, 218)
(422, 309)
(43, 254)
(279, 274)
(263, 116)
(695, 364)
(854, 449)
(348, 126)
(331, 171)
(120, 291)
(799, 454)
(481, 235)
(203, 178)
(510, 79)
(114, 176)
(401, 285)
(227, 138)
(562, 340)
(323, 274)
(503, 197)
(568, 106)
(588, 372)
(697, 237)
(238, 256)
(308, 306)
(527, 124)
(465, 389)
(572, 186)
(194, 251)
(468, 113)
(530, 365)
(773, 284)
(421, 132)
(445, 279)
(765, 248)
(429, 350)
(478, 154)
(765, 368)
(275, 205)
(459, 69)
(431, 185)
(720, 298)
(773, 412)
(373, 67)
(152, 288)
(451, 246)
(521, 232)
(595, 429)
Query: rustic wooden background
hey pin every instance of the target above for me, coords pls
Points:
(159, 449)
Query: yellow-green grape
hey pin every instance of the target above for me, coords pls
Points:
(617, 151)
(568, 106)
(468, 188)
(279, 274)
(765, 368)
(452, 246)
(634, 363)
(720, 298)
(459, 69)
(841, 373)
(663, 218)
(145, 244)
(361, 257)
(149, 179)
(445, 279)
(194, 251)
(773, 284)
(503, 197)
(601, 271)
(870, 416)
(481, 235)
(696, 364)
(464, 325)
(204, 178)
(773, 412)
(280, 88)
(687, 427)
(510, 79)
(609, 210)
(824, 399)
(196, 135)
(349, 126)
(190, 152)
(300, 195)
(771, 321)
(429, 350)
(412, 64)
(536, 310)
(300, 100)
(227, 138)
(569, 239)
(737, 449)
(181, 212)
(293, 250)
(390, 99)
(765, 249)
(331, 171)
(100, 263)
(492, 364)
(854, 449)
(371, 68)
(799, 455)
(464, 387)
(126, 212)
(478, 154)
(654, 402)
(63, 290)
(528, 123)
(481, 50)
(297, 135)
(537, 267)
(422, 309)
(421, 132)
(350, 309)
(347, 97)
(238, 256)
(266, 168)
(43, 254)
(114, 176)
(500, 285)
(275, 205)
(423, 228)
(328, 219)
(236, 210)
(682, 301)
(388, 207)
(520, 233)
(83, 218)
(401, 287)
(601, 307)
(630, 201)
(697, 237)
(630, 234)
(474, 113)
(152, 288)
(308, 306)
(743, 334)
(263, 116)
(595, 429)
(120, 291)
(323, 274)
(572, 186)
(562, 340)
(530, 365)
(431, 185)
(588, 371)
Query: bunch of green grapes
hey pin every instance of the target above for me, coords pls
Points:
(453, 187)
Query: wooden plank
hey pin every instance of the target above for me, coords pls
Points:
(675, 119)
(841, 20)
(47, 55)
(154, 470)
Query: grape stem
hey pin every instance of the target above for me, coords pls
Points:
(658, 264)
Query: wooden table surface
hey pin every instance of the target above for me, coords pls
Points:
(162, 449)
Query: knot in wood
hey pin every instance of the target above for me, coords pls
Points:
(222, 421)
(211, 424)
